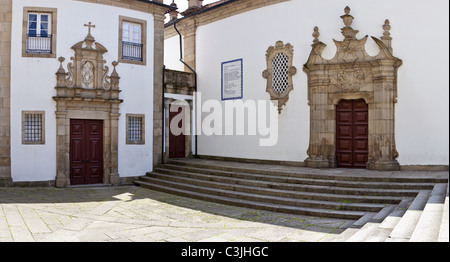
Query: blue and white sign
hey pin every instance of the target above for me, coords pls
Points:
(232, 80)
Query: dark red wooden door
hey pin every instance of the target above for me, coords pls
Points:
(176, 141)
(352, 133)
(86, 152)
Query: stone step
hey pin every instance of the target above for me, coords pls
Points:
(444, 229)
(296, 178)
(384, 195)
(278, 189)
(385, 206)
(374, 227)
(379, 227)
(406, 225)
(428, 226)
(329, 213)
(330, 174)
(252, 194)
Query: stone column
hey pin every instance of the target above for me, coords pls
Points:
(321, 142)
(62, 143)
(383, 152)
(5, 84)
(157, 86)
(114, 178)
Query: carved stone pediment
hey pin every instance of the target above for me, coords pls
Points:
(87, 75)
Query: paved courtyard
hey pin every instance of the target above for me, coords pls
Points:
(129, 213)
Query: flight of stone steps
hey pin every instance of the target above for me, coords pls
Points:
(385, 206)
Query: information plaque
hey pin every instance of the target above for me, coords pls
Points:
(232, 79)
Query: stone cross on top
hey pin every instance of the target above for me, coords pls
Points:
(89, 39)
(89, 25)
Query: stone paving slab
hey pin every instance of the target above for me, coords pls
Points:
(134, 214)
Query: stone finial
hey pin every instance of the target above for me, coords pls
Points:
(174, 13)
(61, 73)
(386, 38)
(114, 77)
(348, 19)
(348, 32)
(316, 35)
(386, 28)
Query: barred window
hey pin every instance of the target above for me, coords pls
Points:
(280, 73)
(135, 129)
(33, 127)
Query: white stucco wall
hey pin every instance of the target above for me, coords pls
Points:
(172, 53)
(420, 39)
(33, 81)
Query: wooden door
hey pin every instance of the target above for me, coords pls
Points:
(177, 142)
(352, 133)
(86, 152)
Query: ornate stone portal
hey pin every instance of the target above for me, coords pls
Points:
(87, 92)
(353, 74)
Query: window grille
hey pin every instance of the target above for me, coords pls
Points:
(280, 73)
(39, 44)
(131, 51)
(33, 128)
(135, 132)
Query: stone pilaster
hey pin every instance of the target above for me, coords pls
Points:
(5, 87)
(158, 64)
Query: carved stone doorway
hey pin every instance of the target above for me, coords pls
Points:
(353, 74)
(86, 92)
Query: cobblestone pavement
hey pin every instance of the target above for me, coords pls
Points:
(129, 213)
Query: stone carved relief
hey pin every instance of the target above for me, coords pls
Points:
(86, 91)
(87, 75)
(351, 80)
(279, 73)
(353, 74)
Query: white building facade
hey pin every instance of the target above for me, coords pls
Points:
(415, 36)
(79, 102)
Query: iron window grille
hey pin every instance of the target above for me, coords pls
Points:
(39, 44)
(33, 128)
(135, 129)
(131, 51)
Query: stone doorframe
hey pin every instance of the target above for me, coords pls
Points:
(352, 74)
(178, 83)
(86, 91)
